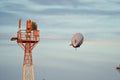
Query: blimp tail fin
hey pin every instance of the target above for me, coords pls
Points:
(75, 49)
(70, 45)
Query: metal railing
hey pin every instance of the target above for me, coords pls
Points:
(28, 36)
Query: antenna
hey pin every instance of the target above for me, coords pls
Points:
(19, 24)
(27, 39)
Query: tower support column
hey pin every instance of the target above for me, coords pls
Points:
(28, 69)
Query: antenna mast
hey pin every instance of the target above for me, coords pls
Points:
(27, 39)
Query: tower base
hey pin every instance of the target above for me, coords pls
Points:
(28, 72)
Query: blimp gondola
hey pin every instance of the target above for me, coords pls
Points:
(77, 40)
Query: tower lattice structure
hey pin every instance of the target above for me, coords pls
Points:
(27, 39)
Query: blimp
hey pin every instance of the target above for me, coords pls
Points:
(77, 40)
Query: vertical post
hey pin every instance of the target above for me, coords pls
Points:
(19, 24)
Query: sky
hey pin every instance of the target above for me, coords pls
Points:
(58, 21)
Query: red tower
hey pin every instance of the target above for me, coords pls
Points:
(27, 39)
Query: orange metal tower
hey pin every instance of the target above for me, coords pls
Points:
(27, 39)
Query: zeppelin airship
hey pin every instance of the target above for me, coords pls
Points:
(77, 40)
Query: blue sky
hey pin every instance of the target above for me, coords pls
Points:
(58, 20)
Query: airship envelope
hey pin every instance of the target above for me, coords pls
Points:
(77, 40)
